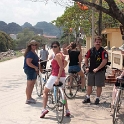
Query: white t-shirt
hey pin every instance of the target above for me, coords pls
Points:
(44, 54)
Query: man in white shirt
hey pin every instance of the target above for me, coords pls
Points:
(44, 56)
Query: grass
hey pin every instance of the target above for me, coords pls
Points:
(18, 54)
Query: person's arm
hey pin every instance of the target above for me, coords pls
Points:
(86, 60)
(65, 50)
(122, 75)
(103, 63)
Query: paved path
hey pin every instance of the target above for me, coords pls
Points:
(13, 109)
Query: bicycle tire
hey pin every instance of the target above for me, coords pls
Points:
(51, 101)
(39, 87)
(70, 91)
(59, 107)
(116, 107)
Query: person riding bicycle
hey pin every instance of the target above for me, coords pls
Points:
(75, 58)
(96, 59)
(58, 75)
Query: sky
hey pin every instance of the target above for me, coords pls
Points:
(21, 11)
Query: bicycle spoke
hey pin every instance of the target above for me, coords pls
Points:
(71, 87)
(38, 85)
(51, 100)
(117, 107)
(59, 108)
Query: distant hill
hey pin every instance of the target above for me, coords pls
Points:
(48, 28)
(40, 28)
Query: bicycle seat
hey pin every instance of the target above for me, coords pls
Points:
(59, 85)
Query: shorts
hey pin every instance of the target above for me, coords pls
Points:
(31, 74)
(74, 68)
(52, 80)
(96, 79)
(43, 64)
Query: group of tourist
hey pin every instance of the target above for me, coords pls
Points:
(96, 59)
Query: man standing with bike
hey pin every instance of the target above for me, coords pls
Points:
(44, 56)
(95, 60)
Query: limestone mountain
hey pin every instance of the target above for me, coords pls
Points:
(40, 28)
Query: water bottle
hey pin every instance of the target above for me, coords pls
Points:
(64, 101)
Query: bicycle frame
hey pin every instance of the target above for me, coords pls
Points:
(56, 90)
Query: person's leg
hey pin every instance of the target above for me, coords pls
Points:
(29, 88)
(45, 97)
(99, 82)
(82, 79)
(89, 87)
(99, 91)
(31, 79)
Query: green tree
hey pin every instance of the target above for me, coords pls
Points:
(6, 42)
(24, 37)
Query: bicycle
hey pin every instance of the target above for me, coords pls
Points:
(41, 80)
(72, 85)
(57, 101)
(118, 100)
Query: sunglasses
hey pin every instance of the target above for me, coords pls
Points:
(54, 46)
(34, 44)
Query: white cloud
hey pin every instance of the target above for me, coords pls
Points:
(21, 11)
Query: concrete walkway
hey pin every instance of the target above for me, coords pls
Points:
(13, 109)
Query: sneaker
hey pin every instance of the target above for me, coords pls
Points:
(31, 101)
(45, 111)
(86, 100)
(97, 101)
(67, 113)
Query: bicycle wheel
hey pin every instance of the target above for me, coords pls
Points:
(117, 107)
(59, 107)
(39, 87)
(71, 87)
(51, 101)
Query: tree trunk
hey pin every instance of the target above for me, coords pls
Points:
(100, 20)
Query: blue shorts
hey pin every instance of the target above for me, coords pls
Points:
(74, 68)
(31, 74)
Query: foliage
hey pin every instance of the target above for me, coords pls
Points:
(23, 38)
(6, 42)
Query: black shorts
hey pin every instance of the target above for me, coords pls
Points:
(43, 64)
